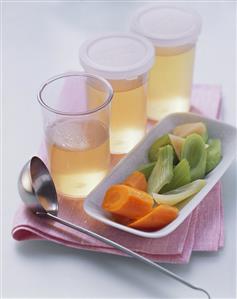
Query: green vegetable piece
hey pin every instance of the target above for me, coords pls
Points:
(213, 154)
(174, 197)
(196, 154)
(146, 169)
(154, 149)
(185, 130)
(162, 173)
(204, 136)
(183, 203)
(181, 176)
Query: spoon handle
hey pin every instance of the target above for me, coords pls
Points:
(127, 251)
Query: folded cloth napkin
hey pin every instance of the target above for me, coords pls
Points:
(201, 231)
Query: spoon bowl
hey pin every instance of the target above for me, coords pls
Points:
(36, 188)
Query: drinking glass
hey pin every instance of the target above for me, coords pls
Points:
(76, 126)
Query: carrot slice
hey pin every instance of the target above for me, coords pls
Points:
(127, 201)
(121, 219)
(157, 218)
(136, 180)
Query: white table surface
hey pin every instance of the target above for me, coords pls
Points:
(42, 39)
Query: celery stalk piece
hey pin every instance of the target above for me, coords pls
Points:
(195, 152)
(181, 176)
(174, 197)
(154, 148)
(146, 169)
(204, 136)
(162, 173)
(213, 154)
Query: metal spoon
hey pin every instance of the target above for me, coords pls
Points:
(38, 192)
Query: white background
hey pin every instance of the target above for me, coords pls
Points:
(41, 40)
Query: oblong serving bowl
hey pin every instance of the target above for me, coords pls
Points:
(138, 156)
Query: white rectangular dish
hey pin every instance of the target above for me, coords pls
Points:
(138, 156)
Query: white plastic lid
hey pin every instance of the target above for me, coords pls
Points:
(167, 26)
(117, 56)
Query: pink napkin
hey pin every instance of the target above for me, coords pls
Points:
(201, 231)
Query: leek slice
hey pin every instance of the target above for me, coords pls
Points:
(174, 197)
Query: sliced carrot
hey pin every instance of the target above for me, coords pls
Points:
(121, 219)
(157, 218)
(127, 201)
(136, 180)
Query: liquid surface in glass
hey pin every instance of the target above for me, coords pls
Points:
(79, 155)
(170, 82)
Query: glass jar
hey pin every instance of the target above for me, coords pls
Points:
(173, 32)
(124, 60)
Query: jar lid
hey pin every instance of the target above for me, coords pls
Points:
(167, 26)
(117, 56)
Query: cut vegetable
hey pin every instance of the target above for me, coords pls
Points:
(194, 151)
(213, 154)
(177, 143)
(173, 197)
(121, 219)
(136, 180)
(181, 176)
(127, 201)
(190, 128)
(146, 169)
(154, 149)
(162, 173)
(183, 203)
(159, 217)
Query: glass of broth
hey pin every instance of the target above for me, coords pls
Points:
(173, 32)
(76, 126)
(124, 60)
